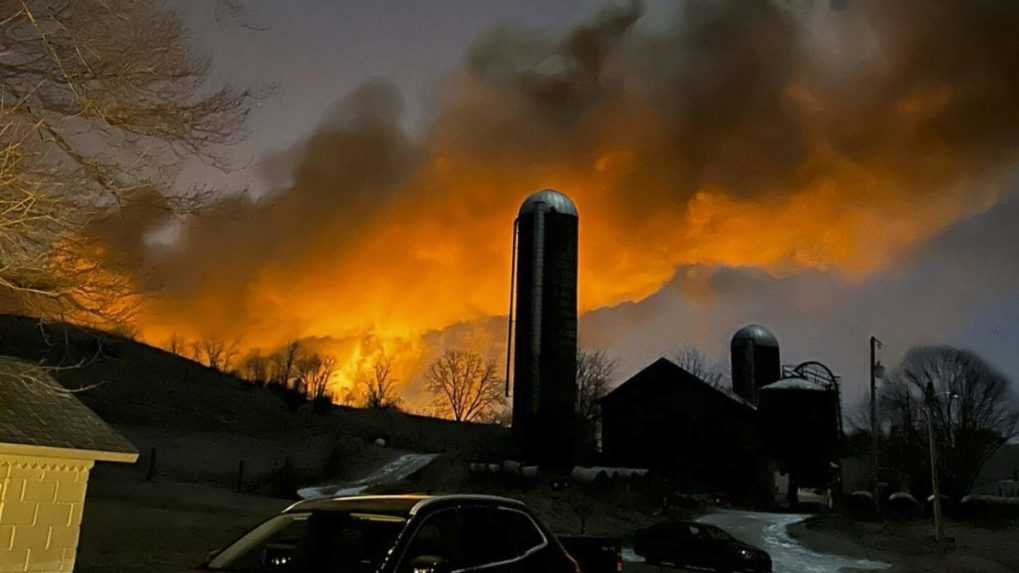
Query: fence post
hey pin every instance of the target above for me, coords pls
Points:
(240, 476)
(150, 472)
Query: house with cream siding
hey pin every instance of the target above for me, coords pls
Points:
(49, 442)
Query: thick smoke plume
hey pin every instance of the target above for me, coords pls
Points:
(783, 136)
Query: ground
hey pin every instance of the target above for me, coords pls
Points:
(162, 527)
(909, 545)
(132, 526)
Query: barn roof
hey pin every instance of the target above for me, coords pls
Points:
(39, 416)
(666, 367)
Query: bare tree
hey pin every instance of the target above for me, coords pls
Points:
(971, 410)
(256, 367)
(595, 373)
(314, 373)
(175, 345)
(691, 359)
(216, 352)
(284, 366)
(376, 383)
(101, 102)
(464, 386)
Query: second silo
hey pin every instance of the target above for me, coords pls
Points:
(545, 337)
(755, 361)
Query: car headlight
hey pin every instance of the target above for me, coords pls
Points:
(746, 554)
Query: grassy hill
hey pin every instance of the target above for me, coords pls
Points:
(204, 422)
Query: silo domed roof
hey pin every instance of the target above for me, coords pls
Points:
(555, 200)
(755, 333)
(795, 383)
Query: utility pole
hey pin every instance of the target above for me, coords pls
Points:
(874, 344)
(939, 527)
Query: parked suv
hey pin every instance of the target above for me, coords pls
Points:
(398, 534)
(691, 544)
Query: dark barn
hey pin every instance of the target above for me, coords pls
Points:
(672, 422)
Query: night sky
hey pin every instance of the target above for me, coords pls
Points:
(881, 203)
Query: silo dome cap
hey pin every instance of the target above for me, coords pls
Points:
(555, 201)
(794, 383)
(755, 333)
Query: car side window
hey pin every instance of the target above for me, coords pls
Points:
(500, 535)
(489, 539)
(523, 533)
(442, 535)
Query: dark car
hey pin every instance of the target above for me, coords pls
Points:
(594, 554)
(399, 534)
(691, 544)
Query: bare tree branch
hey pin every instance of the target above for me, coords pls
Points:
(99, 104)
(972, 412)
(376, 382)
(595, 373)
(464, 387)
(696, 362)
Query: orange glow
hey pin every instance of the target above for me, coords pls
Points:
(432, 260)
(678, 149)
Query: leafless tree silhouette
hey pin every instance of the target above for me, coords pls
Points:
(595, 373)
(464, 386)
(376, 383)
(256, 367)
(175, 344)
(216, 352)
(283, 366)
(697, 363)
(972, 412)
(314, 373)
(101, 102)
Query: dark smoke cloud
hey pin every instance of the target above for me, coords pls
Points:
(777, 136)
(960, 288)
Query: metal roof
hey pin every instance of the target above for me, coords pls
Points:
(36, 411)
(555, 201)
(755, 333)
(795, 384)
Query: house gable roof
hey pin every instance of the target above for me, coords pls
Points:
(38, 415)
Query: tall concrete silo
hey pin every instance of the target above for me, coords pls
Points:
(755, 361)
(544, 342)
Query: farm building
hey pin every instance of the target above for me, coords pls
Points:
(670, 421)
(777, 425)
(48, 443)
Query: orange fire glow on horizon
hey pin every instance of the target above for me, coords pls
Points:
(678, 149)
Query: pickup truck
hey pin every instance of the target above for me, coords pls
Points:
(594, 554)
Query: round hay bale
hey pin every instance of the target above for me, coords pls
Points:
(511, 467)
(585, 475)
(860, 503)
(902, 505)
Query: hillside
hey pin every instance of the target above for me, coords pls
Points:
(205, 422)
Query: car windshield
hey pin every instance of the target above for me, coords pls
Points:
(313, 542)
(714, 534)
